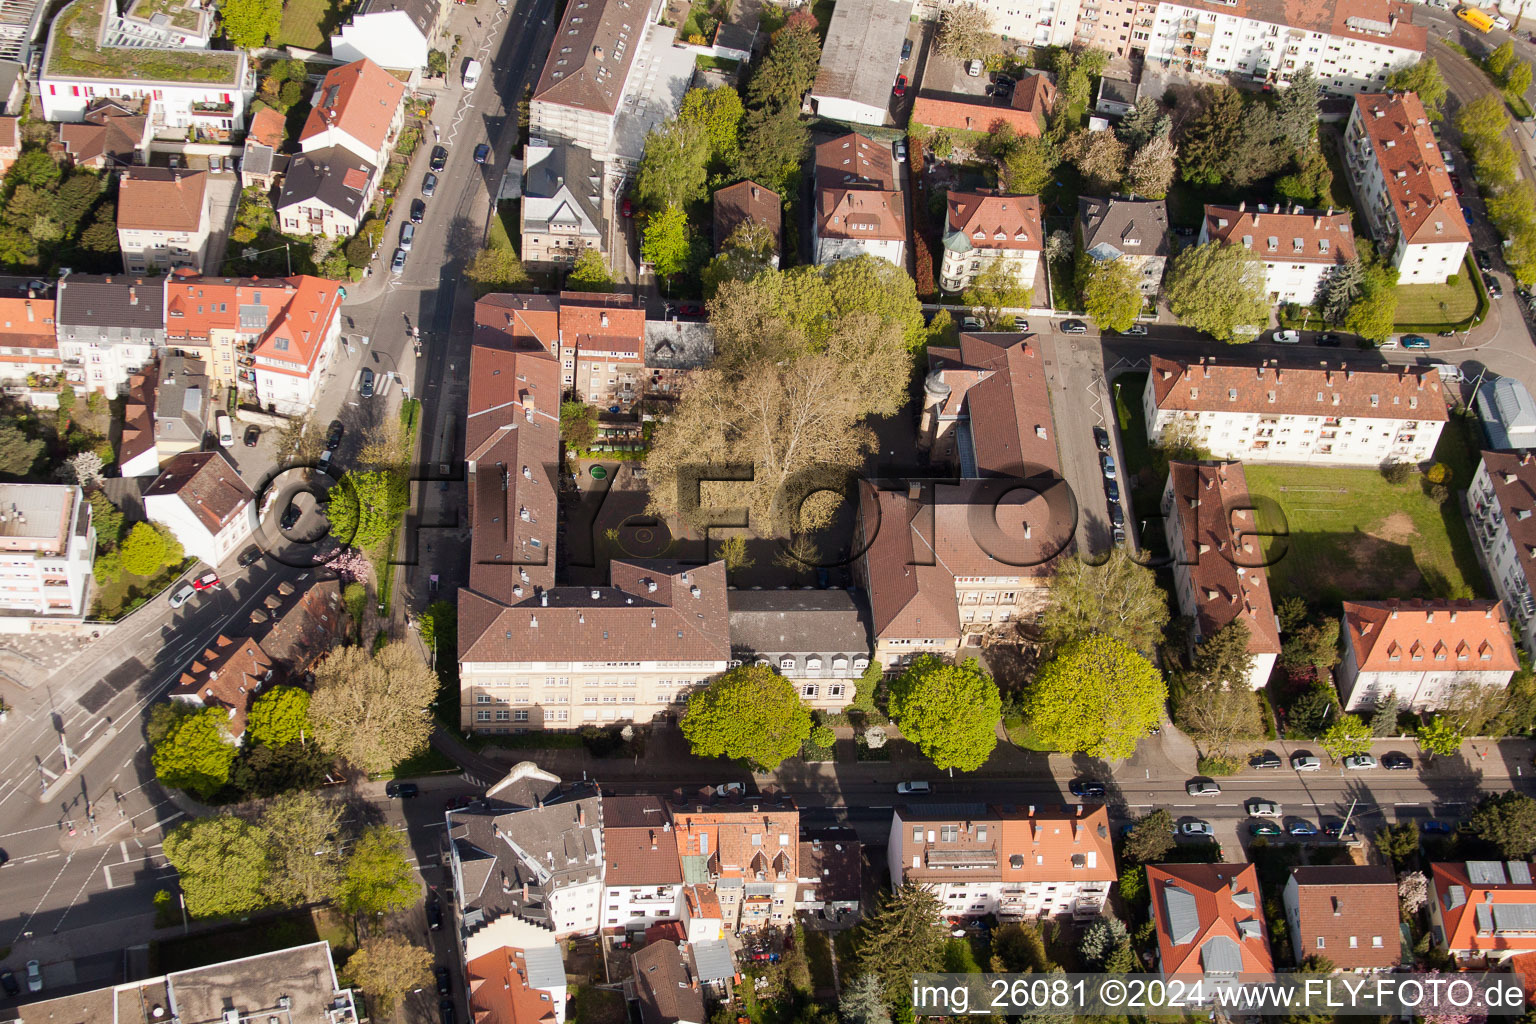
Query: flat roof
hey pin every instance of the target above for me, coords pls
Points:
(862, 51)
(75, 51)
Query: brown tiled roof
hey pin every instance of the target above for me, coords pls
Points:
(1513, 478)
(266, 127)
(10, 134)
(591, 55)
(746, 201)
(1296, 236)
(499, 992)
(1007, 843)
(107, 131)
(746, 836)
(638, 842)
(207, 484)
(228, 674)
(991, 220)
(1384, 22)
(358, 98)
(702, 902)
(1431, 636)
(1009, 405)
(1227, 908)
(978, 115)
(666, 985)
(910, 594)
(831, 859)
(1409, 157)
(1036, 94)
(1402, 392)
(27, 323)
(296, 627)
(854, 161)
(602, 321)
(139, 415)
(161, 199)
(1351, 907)
(1473, 908)
(1221, 550)
(860, 213)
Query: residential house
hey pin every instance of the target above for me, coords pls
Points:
(702, 920)
(747, 850)
(860, 59)
(601, 347)
(200, 497)
(111, 133)
(108, 328)
(983, 227)
(188, 89)
(643, 877)
(817, 639)
(1403, 188)
(665, 985)
(289, 359)
(1019, 22)
(297, 627)
(1483, 910)
(1349, 46)
(1209, 920)
(299, 983)
(260, 162)
(47, 548)
(1129, 229)
(859, 206)
(674, 349)
(1001, 859)
(589, 74)
(138, 453)
(13, 74)
(1508, 413)
(29, 341)
(1027, 110)
(327, 192)
(1328, 415)
(831, 873)
(517, 986)
(562, 209)
(1117, 97)
(1422, 652)
(748, 202)
(358, 107)
(162, 219)
(1218, 567)
(1299, 249)
(394, 34)
(228, 674)
(1502, 500)
(1347, 913)
(177, 397)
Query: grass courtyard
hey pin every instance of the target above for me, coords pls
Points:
(307, 24)
(1437, 304)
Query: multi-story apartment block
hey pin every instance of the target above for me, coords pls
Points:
(1399, 177)
(747, 850)
(395, 34)
(817, 639)
(1347, 913)
(169, 410)
(1337, 416)
(1349, 46)
(1030, 22)
(859, 208)
(1299, 249)
(674, 349)
(1422, 651)
(1010, 861)
(643, 877)
(162, 219)
(1209, 920)
(1106, 25)
(200, 498)
(831, 867)
(590, 70)
(860, 60)
(517, 986)
(358, 107)
(29, 342)
(326, 192)
(1129, 229)
(47, 548)
(562, 209)
(109, 328)
(1218, 565)
(1502, 499)
(287, 359)
(598, 338)
(1483, 910)
(985, 226)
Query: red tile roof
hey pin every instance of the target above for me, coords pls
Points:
(602, 322)
(10, 134)
(1009, 844)
(28, 324)
(640, 847)
(298, 334)
(358, 98)
(266, 127)
(207, 484)
(991, 220)
(161, 199)
(499, 992)
(854, 161)
(1297, 236)
(1431, 636)
(1354, 910)
(731, 829)
(1402, 392)
(910, 595)
(1033, 98)
(228, 674)
(860, 213)
(1472, 898)
(1409, 157)
(1205, 912)
(747, 201)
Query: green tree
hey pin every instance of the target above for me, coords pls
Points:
(248, 24)
(1312, 644)
(223, 865)
(377, 878)
(1517, 78)
(666, 244)
(196, 753)
(717, 113)
(1440, 737)
(1145, 121)
(863, 1001)
(674, 167)
(1508, 821)
(1499, 60)
(34, 167)
(496, 269)
(1210, 137)
(1118, 598)
(996, 289)
(1384, 717)
(1311, 183)
(1314, 709)
(950, 711)
(365, 506)
(1098, 697)
(589, 273)
(1100, 939)
(773, 142)
(1340, 289)
(1219, 289)
(1029, 166)
(1217, 713)
(750, 712)
(578, 424)
(437, 63)
(749, 250)
(1398, 843)
(439, 624)
(1224, 656)
(278, 717)
(387, 968)
(1110, 292)
(1295, 109)
(788, 69)
(1482, 118)
(373, 710)
(101, 236)
(162, 719)
(268, 771)
(304, 837)
(1100, 156)
(904, 937)
(1345, 737)
(18, 452)
(1423, 78)
(1150, 837)
(1374, 314)
(1291, 613)
(143, 551)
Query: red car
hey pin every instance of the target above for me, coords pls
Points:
(628, 208)
(901, 86)
(207, 581)
(1456, 184)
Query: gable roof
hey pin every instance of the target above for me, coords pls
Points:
(297, 626)
(1354, 910)
(138, 434)
(1430, 636)
(1209, 919)
(747, 201)
(799, 621)
(562, 186)
(854, 161)
(183, 400)
(602, 322)
(1408, 155)
(1383, 22)
(994, 220)
(1283, 236)
(1512, 475)
(298, 334)
(995, 384)
(860, 213)
(735, 837)
(110, 301)
(26, 322)
(227, 674)
(334, 176)
(207, 484)
(589, 59)
(1486, 906)
(501, 989)
(1027, 110)
(358, 98)
(266, 127)
(666, 985)
(639, 845)
(421, 12)
(1123, 226)
(862, 51)
(161, 199)
(1396, 393)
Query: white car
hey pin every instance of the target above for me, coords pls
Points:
(225, 428)
(1306, 763)
(472, 74)
(1197, 828)
(1359, 762)
(1261, 808)
(34, 976)
(730, 789)
(1501, 21)
(1287, 338)
(183, 595)
(913, 788)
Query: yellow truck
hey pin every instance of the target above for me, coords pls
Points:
(1474, 17)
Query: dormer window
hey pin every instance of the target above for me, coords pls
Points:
(1247, 241)
(1322, 245)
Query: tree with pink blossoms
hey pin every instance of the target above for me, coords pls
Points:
(351, 565)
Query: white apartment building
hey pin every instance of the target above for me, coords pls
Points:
(1399, 177)
(642, 877)
(1298, 248)
(289, 362)
(1502, 499)
(1332, 415)
(47, 548)
(1010, 861)
(200, 497)
(1218, 566)
(109, 328)
(590, 72)
(982, 227)
(1422, 652)
(1026, 22)
(1350, 46)
(162, 219)
(358, 107)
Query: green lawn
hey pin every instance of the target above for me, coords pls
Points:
(125, 592)
(503, 226)
(1024, 735)
(309, 23)
(1437, 303)
(249, 938)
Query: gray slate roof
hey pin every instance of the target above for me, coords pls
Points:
(421, 12)
(112, 304)
(1508, 412)
(862, 51)
(181, 400)
(320, 175)
(713, 961)
(799, 621)
(558, 185)
(1131, 227)
(679, 344)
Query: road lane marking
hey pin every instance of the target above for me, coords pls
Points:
(22, 931)
(123, 845)
(81, 891)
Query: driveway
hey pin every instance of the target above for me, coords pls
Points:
(223, 198)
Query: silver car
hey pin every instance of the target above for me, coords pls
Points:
(1359, 762)
(1306, 763)
(1202, 787)
(1261, 808)
(183, 595)
(1201, 829)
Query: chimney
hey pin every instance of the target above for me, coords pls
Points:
(1317, 221)
(31, 315)
(581, 815)
(603, 318)
(544, 599)
(597, 51)
(1242, 206)
(133, 296)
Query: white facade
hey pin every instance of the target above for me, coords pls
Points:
(212, 546)
(960, 267)
(568, 695)
(47, 548)
(146, 251)
(854, 112)
(636, 907)
(107, 366)
(391, 39)
(1028, 22)
(830, 250)
(1418, 689)
(1491, 526)
(335, 135)
(293, 392)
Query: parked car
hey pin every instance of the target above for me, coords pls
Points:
(365, 386)
(1116, 514)
(1328, 340)
(1118, 534)
(407, 235)
(1263, 828)
(1073, 327)
(1336, 830)
(1396, 761)
(1197, 829)
(397, 263)
(224, 429)
(439, 158)
(971, 323)
(9, 983)
(1111, 490)
(482, 153)
(291, 515)
(34, 976)
(333, 435)
(906, 50)
(1492, 284)
(429, 185)
(1436, 828)
(973, 68)
(1456, 185)
(441, 974)
(1359, 762)
(1101, 439)
(207, 581)
(901, 151)
(1202, 787)
(627, 207)
(1266, 759)
(691, 309)
(1301, 828)
(900, 88)
(472, 74)
(1259, 807)
(418, 211)
(1135, 331)
(401, 790)
(1087, 788)
(1466, 214)
(434, 914)
(248, 556)
(1107, 463)
(1306, 763)
(183, 595)
(918, 788)
(252, 435)
(445, 1008)
(1415, 341)
(1287, 338)
(1484, 261)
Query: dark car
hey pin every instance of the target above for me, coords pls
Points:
(291, 515)
(9, 982)
(333, 435)
(439, 158)
(446, 1009)
(1466, 214)
(1328, 340)
(1396, 761)
(434, 915)
(429, 185)
(482, 153)
(1116, 514)
(900, 88)
(1456, 185)
(1101, 439)
(1436, 828)
(1073, 327)
(1266, 759)
(1492, 284)
(1111, 490)
(365, 388)
(401, 790)
(1335, 830)
(906, 50)
(252, 435)
(1484, 261)
(1086, 788)
(441, 974)
(418, 211)
(248, 556)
